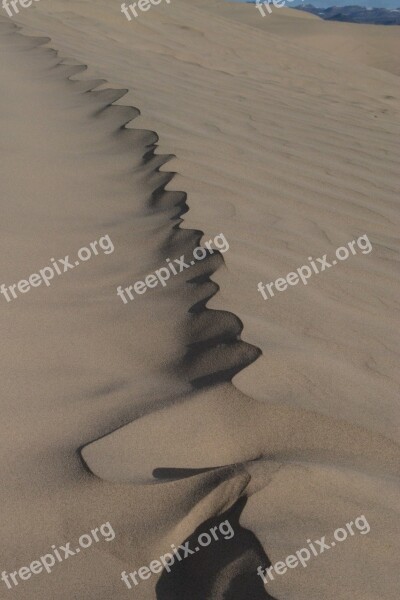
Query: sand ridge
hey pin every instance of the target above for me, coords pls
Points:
(275, 458)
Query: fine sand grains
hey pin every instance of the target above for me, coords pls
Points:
(289, 152)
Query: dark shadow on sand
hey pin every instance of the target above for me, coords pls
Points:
(224, 570)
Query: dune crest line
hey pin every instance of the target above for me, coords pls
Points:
(208, 450)
(205, 333)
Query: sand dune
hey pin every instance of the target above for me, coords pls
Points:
(199, 401)
(372, 45)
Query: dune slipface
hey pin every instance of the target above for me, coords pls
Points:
(197, 408)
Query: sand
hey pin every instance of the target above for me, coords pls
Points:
(199, 401)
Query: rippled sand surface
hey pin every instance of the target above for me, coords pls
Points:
(199, 401)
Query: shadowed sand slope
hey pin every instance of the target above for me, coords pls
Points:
(290, 155)
(78, 363)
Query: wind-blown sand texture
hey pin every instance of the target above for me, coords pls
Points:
(199, 401)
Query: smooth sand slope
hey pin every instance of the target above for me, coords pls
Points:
(372, 45)
(289, 155)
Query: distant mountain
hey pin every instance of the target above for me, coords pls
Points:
(355, 14)
(328, 3)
